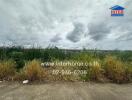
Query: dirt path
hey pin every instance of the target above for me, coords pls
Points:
(65, 91)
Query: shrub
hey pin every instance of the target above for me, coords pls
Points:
(115, 69)
(18, 57)
(34, 71)
(7, 69)
(20, 64)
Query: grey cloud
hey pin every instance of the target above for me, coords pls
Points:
(98, 31)
(125, 37)
(77, 33)
(56, 38)
(40, 21)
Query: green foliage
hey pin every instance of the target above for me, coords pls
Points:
(18, 57)
(51, 54)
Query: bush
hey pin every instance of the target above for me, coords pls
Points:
(7, 69)
(115, 69)
(33, 70)
(18, 57)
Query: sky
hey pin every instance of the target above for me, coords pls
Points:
(69, 24)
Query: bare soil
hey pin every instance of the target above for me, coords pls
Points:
(65, 91)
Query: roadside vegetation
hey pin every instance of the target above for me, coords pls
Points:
(18, 64)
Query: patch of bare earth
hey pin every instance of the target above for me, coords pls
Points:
(65, 91)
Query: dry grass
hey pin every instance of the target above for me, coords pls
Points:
(95, 71)
(33, 71)
(7, 69)
(63, 74)
(115, 69)
(129, 72)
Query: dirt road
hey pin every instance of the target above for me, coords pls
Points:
(65, 91)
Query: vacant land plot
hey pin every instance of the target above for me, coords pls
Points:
(65, 91)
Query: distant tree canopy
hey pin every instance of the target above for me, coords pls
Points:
(20, 55)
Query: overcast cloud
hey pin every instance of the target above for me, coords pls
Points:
(72, 24)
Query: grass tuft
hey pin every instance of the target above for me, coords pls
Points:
(34, 71)
(7, 69)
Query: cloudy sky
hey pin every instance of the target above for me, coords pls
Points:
(72, 24)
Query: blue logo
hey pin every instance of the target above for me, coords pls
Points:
(117, 11)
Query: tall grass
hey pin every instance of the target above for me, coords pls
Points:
(115, 69)
(34, 71)
(94, 72)
(7, 69)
